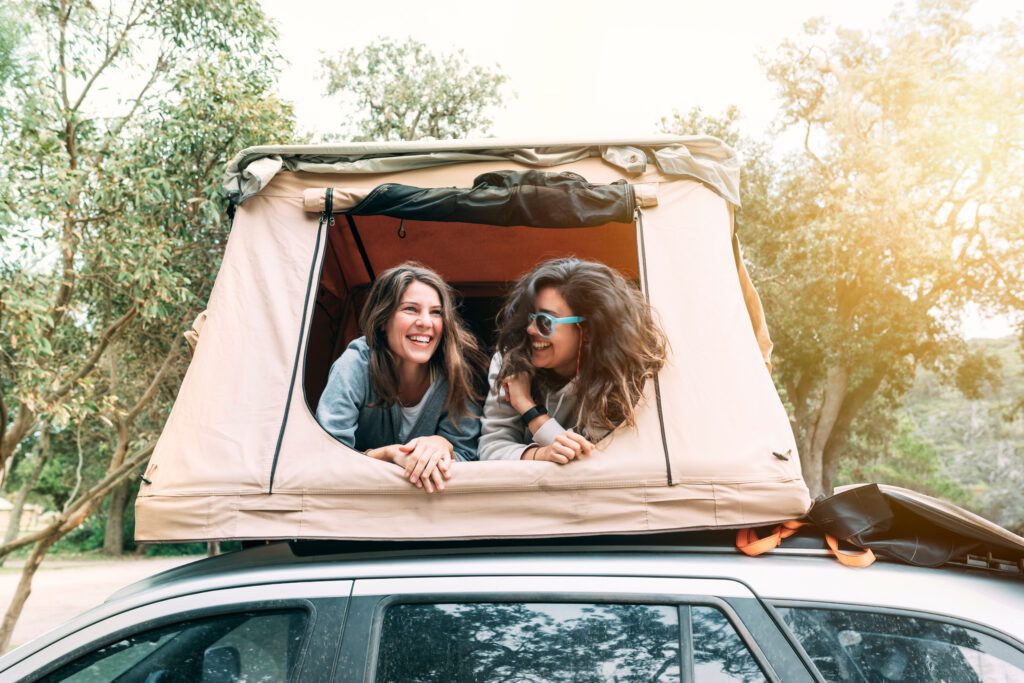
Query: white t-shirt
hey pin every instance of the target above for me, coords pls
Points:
(409, 416)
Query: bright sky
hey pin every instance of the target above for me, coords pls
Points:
(582, 69)
(575, 68)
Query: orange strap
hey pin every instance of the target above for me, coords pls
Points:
(865, 558)
(748, 543)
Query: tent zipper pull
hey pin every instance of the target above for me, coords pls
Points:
(401, 228)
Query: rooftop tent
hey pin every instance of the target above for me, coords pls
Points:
(241, 455)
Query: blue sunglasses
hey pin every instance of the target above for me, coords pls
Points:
(545, 322)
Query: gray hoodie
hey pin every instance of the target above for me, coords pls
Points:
(349, 409)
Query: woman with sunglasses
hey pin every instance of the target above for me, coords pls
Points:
(576, 343)
(404, 393)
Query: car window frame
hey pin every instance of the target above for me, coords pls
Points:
(371, 597)
(772, 604)
(324, 612)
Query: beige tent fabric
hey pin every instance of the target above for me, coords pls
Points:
(314, 199)
(756, 312)
(723, 420)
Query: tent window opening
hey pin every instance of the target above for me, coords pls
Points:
(479, 261)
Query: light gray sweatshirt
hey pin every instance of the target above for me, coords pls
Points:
(502, 433)
(350, 410)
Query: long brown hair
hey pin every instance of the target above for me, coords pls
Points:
(622, 345)
(458, 357)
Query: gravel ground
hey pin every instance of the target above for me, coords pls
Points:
(62, 589)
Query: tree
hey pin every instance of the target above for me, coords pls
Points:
(403, 91)
(904, 204)
(10, 38)
(114, 230)
(909, 462)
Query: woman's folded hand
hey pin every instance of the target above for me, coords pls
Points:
(567, 447)
(427, 462)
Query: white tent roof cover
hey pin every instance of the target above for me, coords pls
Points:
(241, 455)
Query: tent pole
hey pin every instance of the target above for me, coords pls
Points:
(360, 247)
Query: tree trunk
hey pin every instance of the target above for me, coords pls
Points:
(113, 536)
(24, 589)
(213, 548)
(18, 506)
(812, 456)
(830, 458)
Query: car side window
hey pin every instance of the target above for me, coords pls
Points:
(849, 645)
(719, 654)
(541, 642)
(251, 646)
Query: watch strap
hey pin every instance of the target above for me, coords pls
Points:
(529, 415)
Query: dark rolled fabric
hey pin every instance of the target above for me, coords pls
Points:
(908, 528)
(526, 198)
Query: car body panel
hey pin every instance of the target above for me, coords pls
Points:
(271, 575)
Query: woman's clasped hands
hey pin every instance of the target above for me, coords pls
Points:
(426, 460)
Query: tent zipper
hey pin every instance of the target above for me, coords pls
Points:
(326, 219)
(639, 221)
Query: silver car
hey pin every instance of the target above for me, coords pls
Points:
(669, 608)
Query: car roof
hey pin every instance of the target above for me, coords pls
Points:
(804, 571)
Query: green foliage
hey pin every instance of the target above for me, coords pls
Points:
(978, 446)
(11, 32)
(403, 91)
(179, 549)
(86, 538)
(912, 463)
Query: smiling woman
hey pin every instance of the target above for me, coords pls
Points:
(577, 344)
(403, 393)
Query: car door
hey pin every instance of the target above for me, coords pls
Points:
(562, 628)
(273, 632)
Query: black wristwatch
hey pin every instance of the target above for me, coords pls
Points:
(533, 412)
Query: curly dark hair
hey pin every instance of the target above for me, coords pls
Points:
(623, 345)
(458, 357)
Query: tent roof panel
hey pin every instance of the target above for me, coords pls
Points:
(702, 158)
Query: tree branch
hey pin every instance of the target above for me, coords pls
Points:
(1006, 290)
(111, 53)
(62, 24)
(807, 148)
(13, 436)
(115, 132)
(154, 385)
(108, 336)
